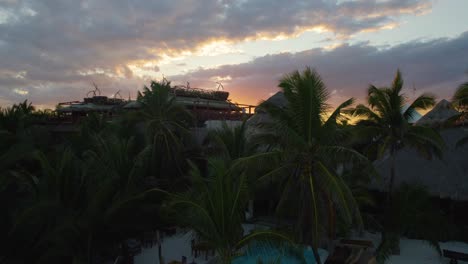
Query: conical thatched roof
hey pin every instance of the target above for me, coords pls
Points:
(445, 178)
(278, 99)
(260, 117)
(438, 115)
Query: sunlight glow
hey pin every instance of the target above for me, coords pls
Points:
(20, 91)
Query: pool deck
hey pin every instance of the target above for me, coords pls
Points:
(417, 251)
(412, 251)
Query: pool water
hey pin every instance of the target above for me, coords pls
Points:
(269, 254)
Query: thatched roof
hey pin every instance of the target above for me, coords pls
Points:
(446, 178)
(260, 117)
(442, 112)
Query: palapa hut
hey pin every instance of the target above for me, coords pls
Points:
(446, 178)
(261, 117)
(439, 115)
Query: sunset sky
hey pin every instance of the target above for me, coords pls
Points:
(53, 50)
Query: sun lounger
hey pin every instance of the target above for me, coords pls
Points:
(455, 256)
(365, 244)
(349, 251)
(202, 247)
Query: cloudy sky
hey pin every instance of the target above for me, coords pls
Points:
(53, 50)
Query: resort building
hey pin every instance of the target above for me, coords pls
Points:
(207, 106)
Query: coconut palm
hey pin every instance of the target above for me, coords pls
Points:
(214, 210)
(15, 118)
(80, 208)
(167, 127)
(387, 129)
(54, 195)
(387, 125)
(309, 144)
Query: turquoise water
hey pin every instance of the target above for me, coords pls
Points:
(273, 255)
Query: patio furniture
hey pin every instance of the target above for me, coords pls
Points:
(455, 256)
(365, 244)
(198, 247)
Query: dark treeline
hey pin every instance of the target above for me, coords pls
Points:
(78, 197)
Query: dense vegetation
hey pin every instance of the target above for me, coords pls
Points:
(78, 197)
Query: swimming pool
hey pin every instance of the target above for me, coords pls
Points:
(269, 254)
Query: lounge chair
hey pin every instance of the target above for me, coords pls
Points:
(455, 256)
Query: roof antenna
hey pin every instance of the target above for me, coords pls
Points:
(95, 91)
(220, 86)
(118, 93)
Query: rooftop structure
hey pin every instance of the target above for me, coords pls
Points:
(203, 104)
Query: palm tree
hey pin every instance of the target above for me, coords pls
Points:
(54, 196)
(15, 118)
(387, 129)
(214, 210)
(167, 127)
(387, 125)
(79, 208)
(309, 146)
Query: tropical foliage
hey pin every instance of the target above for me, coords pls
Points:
(167, 130)
(214, 209)
(460, 98)
(79, 197)
(387, 128)
(309, 145)
(460, 101)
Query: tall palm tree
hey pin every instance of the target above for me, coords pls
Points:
(309, 144)
(167, 127)
(387, 124)
(387, 129)
(214, 210)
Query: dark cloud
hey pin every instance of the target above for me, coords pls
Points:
(63, 45)
(436, 66)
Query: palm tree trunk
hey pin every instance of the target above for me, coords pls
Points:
(331, 220)
(392, 176)
(388, 225)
